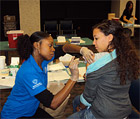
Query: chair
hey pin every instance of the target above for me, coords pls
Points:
(134, 93)
(51, 27)
(66, 27)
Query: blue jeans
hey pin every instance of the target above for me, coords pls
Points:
(76, 103)
(83, 114)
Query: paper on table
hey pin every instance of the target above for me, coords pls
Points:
(66, 57)
(82, 41)
(54, 67)
(58, 75)
(82, 71)
(8, 81)
(61, 39)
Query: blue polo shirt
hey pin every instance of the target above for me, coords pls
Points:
(30, 81)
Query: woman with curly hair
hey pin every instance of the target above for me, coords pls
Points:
(108, 79)
(127, 13)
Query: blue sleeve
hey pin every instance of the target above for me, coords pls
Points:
(33, 83)
(83, 101)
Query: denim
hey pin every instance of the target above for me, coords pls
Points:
(83, 114)
(76, 103)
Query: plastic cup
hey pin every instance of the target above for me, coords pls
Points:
(2, 62)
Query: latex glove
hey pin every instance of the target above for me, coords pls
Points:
(87, 54)
(74, 69)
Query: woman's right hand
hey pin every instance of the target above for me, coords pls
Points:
(74, 69)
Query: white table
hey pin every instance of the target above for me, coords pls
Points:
(9, 81)
(131, 25)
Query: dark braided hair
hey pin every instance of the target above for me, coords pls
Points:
(25, 43)
(127, 57)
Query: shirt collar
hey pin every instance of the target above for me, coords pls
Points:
(33, 62)
(44, 64)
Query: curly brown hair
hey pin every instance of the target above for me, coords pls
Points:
(127, 57)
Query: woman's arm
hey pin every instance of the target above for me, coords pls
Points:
(61, 95)
(70, 48)
(87, 54)
(53, 101)
(135, 18)
(128, 21)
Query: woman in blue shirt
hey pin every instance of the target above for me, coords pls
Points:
(31, 79)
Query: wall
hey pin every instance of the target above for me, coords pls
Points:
(29, 11)
(115, 7)
(84, 14)
(137, 11)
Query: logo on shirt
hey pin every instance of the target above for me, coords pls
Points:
(35, 81)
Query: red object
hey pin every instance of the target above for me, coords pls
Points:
(116, 19)
(12, 37)
(23, 61)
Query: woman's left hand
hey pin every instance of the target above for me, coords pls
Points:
(80, 107)
(87, 54)
(77, 108)
(135, 18)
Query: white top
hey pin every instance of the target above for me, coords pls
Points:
(99, 55)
